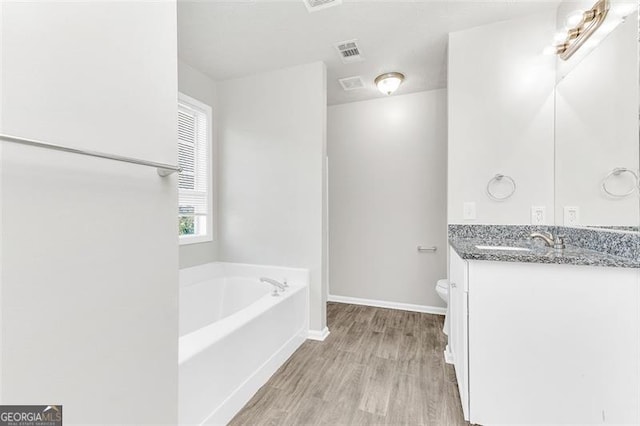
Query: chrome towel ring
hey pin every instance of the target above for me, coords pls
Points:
(498, 178)
(617, 172)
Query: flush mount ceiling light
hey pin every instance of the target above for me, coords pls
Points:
(581, 26)
(389, 82)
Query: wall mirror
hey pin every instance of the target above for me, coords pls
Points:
(597, 158)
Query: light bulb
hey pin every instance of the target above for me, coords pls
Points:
(561, 36)
(389, 82)
(389, 85)
(574, 18)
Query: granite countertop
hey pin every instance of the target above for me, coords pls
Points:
(537, 253)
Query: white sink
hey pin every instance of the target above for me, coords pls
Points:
(504, 248)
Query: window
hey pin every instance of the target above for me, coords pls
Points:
(195, 224)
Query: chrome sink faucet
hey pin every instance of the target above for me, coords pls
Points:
(556, 242)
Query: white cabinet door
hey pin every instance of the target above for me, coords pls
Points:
(458, 338)
(553, 344)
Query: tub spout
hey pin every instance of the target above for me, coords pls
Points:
(276, 284)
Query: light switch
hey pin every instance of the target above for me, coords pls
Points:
(538, 215)
(469, 211)
(571, 216)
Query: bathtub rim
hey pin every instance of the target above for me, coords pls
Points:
(189, 276)
(196, 341)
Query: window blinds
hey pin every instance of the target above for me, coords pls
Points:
(193, 157)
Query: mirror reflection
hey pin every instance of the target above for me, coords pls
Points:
(596, 127)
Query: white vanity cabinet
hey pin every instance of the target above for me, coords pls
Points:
(545, 343)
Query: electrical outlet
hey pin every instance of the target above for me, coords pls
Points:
(469, 211)
(571, 216)
(538, 215)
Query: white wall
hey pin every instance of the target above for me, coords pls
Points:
(500, 89)
(387, 195)
(597, 130)
(89, 246)
(194, 83)
(272, 147)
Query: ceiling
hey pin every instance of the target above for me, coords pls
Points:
(236, 38)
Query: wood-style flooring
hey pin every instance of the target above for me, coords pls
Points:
(378, 366)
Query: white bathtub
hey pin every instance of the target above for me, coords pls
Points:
(234, 335)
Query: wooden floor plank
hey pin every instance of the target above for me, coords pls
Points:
(266, 406)
(378, 366)
(351, 340)
(332, 372)
(308, 411)
(367, 348)
(364, 314)
(390, 343)
(363, 418)
(339, 413)
(378, 385)
(407, 404)
(379, 320)
(409, 355)
(394, 318)
(411, 322)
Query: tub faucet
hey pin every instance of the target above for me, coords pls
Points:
(276, 284)
(556, 242)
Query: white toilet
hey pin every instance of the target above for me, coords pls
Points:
(442, 288)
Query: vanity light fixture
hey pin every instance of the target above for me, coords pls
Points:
(581, 28)
(389, 82)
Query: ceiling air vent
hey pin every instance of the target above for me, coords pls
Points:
(349, 51)
(352, 83)
(314, 5)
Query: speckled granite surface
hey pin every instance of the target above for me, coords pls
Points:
(496, 232)
(590, 247)
(623, 244)
(616, 228)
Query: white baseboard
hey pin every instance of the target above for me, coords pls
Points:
(390, 305)
(234, 403)
(448, 356)
(318, 335)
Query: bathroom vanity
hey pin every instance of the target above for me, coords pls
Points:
(536, 339)
(537, 335)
